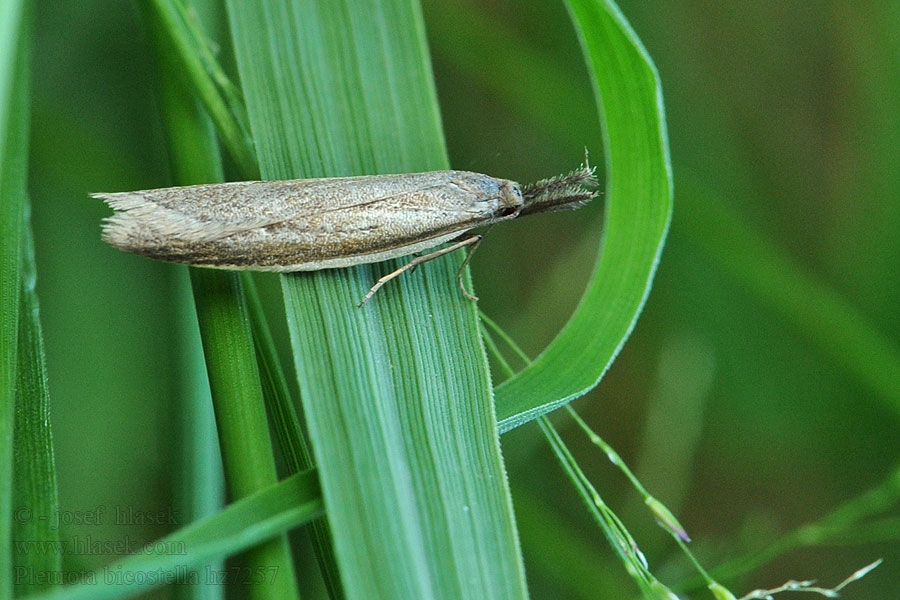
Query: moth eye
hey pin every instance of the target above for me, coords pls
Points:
(507, 211)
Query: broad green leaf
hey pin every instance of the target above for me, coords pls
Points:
(638, 208)
(241, 525)
(396, 395)
(14, 40)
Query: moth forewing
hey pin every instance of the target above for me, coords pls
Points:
(312, 224)
(306, 224)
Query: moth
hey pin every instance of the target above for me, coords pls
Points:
(312, 224)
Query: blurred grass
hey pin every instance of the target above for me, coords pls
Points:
(785, 112)
(830, 321)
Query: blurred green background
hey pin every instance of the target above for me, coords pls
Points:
(782, 119)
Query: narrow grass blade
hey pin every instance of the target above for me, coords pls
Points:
(240, 415)
(241, 525)
(199, 486)
(396, 394)
(34, 487)
(14, 71)
(288, 429)
(224, 323)
(618, 536)
(638, 209)
(221, 99)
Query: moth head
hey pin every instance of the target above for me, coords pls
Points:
(510, 201)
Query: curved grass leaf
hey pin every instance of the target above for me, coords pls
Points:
(638, 210)
(244, 524)
(396, 395)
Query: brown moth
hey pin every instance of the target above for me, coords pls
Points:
(312, 224)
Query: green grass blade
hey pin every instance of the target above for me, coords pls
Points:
(294, 448)
(638, 208)
(35, 489)
(576, 563)
(224, 323)
(396, 395)
(199, 484)
(198, 487)
(618, 536)
(241, 525)
(14, 70)
(221, 99)
(288, 430)
(240, 415)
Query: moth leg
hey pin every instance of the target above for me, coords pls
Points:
(418, 261)
(418, 254)
(462, 267)
(415, 255)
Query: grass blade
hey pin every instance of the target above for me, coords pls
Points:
(294, 448)
(224, 323)
(34, 487)
(396, 395)
(14, 70)
(199, 487)
(638, 210)
(244, 524)
(220, 98)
